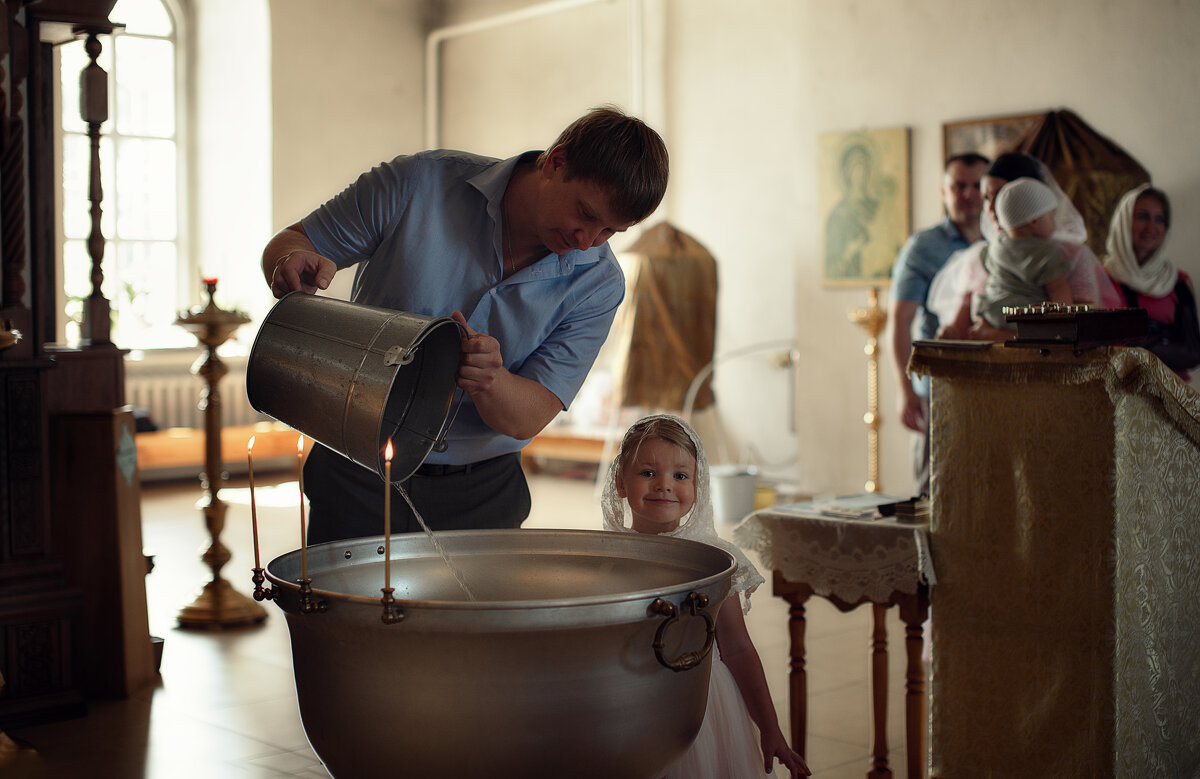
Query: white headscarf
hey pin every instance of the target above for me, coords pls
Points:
(1158, 275)
(696, 525)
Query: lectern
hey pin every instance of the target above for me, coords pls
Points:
(1065, 498)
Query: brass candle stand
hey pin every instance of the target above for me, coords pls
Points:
(217, 605)
(873, 319)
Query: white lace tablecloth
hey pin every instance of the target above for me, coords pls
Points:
(850, 559)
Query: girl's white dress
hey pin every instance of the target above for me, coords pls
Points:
(728, 745)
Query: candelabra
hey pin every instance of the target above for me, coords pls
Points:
(873, 319)
(217, 605)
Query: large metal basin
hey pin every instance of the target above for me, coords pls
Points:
(552, 671)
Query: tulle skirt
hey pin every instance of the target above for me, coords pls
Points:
(728, 745)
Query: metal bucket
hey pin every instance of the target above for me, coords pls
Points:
(587, 653)
(352, 376)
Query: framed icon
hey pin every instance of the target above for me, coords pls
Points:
(864, 203)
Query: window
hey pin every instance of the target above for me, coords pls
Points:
(145, 266)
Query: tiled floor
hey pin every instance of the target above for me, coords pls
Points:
(226, 705)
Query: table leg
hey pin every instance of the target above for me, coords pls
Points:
(879, 674)
(914, 610)
(795, 595)
(797, 676)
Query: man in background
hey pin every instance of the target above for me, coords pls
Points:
(922, 256)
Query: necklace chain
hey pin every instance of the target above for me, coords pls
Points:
(507, 248)
(507, 244)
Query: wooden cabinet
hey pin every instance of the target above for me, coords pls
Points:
(71, 566)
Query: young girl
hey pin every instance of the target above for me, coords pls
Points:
(659, 479)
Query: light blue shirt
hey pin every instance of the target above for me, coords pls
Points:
(426, 230)
(919, 260)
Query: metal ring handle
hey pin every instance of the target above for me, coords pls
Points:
(696, 603)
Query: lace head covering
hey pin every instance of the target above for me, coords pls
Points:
(697, 524)
(1069, 226)
(1157, 276)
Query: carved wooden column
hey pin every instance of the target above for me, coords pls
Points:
(15, 315)
(37, 607)
(93, 105)
(96, 505)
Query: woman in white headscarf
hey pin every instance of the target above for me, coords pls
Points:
(1146, 277)
(658, 483)
(962, 278)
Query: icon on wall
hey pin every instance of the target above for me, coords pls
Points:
(864, 204)
(990, 137)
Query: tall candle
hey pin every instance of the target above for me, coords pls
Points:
(387, 515)
(303, 539)
(253, 508)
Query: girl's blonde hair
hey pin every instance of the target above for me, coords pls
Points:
(660, 428)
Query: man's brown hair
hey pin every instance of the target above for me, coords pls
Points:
(619, 152)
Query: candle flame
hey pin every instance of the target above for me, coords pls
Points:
(387, 452)
(300, 445)
(250, 445)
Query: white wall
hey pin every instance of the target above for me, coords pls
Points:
(346, 82)
(751, 87)
(740, 92)
(231, 133)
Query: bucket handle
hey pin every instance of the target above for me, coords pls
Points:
(403, 355)
(439, 444)
(696, 601)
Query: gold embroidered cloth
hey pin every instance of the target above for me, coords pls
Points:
(849, 559)
(669, 326)
(1066, 532)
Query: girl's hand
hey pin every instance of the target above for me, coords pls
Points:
(774, 745)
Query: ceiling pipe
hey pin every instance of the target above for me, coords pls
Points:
(435, 39)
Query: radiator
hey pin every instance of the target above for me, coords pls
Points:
(162, 385)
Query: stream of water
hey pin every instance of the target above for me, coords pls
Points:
(454, 570)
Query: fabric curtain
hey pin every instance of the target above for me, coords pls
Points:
(1093, 170)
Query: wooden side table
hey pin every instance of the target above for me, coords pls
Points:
(849, 563)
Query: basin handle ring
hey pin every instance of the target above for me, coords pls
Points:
(696, 601)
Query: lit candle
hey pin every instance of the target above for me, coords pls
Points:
(387, 515)
(303, 540)
(253, 508)
(212, 280)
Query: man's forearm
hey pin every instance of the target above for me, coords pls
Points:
(515, 406)
(902, 317)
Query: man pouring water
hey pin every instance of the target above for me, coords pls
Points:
(516, 251)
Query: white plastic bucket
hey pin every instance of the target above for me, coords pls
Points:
(733, 488)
